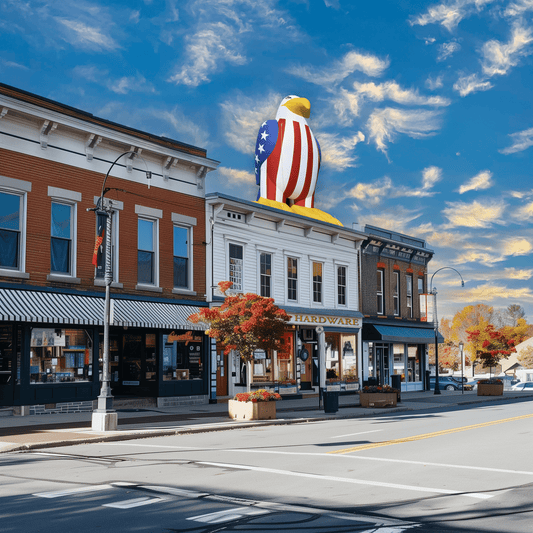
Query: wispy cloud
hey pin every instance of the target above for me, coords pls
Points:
(483, 180)
(385, 124)
(12, 64)
(517, 246)
(521, 140)
(466, 85)
(242, 116)
(446, 50)
(371, 193)
(128, 84)
(396, 215)
(352, 61)
(430, 176)
(517, 9)
(478, 214)
(449, 14)
(489, 292)
(237, 176)
(525, 212)
(337, 151)
(86, 36)
(390, 90)
(434, 83)
(186, 127)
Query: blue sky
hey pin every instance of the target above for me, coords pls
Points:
(423, 113)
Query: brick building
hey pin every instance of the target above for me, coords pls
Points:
(395, 334)
(53, 161)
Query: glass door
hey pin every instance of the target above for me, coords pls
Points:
(7, 364)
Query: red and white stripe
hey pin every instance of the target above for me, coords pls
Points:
(291, 170)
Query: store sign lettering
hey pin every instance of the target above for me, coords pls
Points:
(326, 320)
(186, 338)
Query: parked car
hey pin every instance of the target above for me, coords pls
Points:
(525, 386)
(447, 383)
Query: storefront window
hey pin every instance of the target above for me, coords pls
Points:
(332, 356)
(413, 365)
(349, 356)
(261, 367)
(60, 355)
(399, 360)
(6, 354)
(285, 358)
(183, 356)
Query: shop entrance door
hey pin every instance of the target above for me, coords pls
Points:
(306, 368)
(133, 362)
(222, 374)
(7, 365)
(382, 356)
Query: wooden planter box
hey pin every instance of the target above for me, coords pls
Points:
(252, 410)
(378, 399)
(490, 389)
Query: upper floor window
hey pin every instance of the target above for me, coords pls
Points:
(292, 278)
(380, 294)
(11, 206)
(409, 294)
(62, 236)
(146, 251)
(396, 293)
(265, 265)
(341, 285)
(420, 285)
(317, 282)
(236, 266)
(181, 257)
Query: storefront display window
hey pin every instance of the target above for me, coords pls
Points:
(60, 355)
(413, 366)
(332, 356)
(399, 360)
(349, 356)
(285, 358)
(183, 356)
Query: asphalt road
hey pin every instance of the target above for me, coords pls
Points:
(466, 469)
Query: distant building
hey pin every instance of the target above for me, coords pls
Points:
(395, 338)
(311, 269)
(53, 161)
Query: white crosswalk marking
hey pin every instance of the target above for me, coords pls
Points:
(137, 502)
(61, 493)
(228, 515)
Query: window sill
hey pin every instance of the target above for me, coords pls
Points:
(101, 283)
(151, 288)
(4, 272)
(184, 291)
(63, 279)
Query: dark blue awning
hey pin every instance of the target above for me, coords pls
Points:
(404, 334)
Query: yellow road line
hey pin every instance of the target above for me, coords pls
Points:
(427, 435)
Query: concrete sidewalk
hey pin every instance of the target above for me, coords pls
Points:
(45, 431)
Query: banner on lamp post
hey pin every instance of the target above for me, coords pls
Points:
(427, 307)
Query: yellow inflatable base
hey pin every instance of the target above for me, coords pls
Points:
(309, 212)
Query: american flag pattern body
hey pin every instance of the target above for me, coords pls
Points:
(287, 155)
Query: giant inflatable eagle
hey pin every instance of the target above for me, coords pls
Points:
(287, 161)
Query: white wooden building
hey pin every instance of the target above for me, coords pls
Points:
(311, 269)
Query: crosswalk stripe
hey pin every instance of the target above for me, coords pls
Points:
(136, 502)
(228, 515)
(60, 493)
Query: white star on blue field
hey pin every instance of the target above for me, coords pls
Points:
(422, 110)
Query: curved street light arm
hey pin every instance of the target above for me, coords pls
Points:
(451, 268)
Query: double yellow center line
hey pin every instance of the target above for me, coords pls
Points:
(427, 435)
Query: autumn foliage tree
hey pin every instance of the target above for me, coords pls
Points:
(244, 323)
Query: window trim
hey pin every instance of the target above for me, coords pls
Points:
(380, 292)
(155, 236)
(345, 304)
(259, 274)
(73, 204)
(296, 259)
(396, 293)
(18, 188)
(321, 282)
(409, 295)
(242, 246)
(190, 281)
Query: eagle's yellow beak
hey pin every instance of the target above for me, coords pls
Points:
(299, 106)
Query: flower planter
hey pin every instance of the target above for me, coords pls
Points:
(252, 410)
(378, 399)
(490, 389)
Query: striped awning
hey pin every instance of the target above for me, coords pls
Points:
(60, 308)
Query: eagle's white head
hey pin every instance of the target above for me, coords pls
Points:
(294, 105)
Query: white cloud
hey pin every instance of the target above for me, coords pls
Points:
(450, 14)
(385, 124)
(128, 84)
(522, 140)
(13, 64)
(243, 116)
(525, 212)
(490, 292)
(352, 62)
(517, 9)
(189, 130)
(434, 83)
(517, 246)
(237, 176)
(477, 214)
(208, 50)
(499, 57)
(466, 85)
(483, 180)
(371, 193)
(396, 216)
(446, 50)
(346, 105)
(430, 176)
(392, 91)
(85, 36)
(516, 273)
(337, 151)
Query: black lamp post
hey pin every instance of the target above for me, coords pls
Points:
(105, 417)
(433, 290)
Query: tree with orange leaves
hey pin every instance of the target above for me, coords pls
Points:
(244, 323)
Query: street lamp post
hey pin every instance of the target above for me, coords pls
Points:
(105, 418)
(433, 290)
(462, 352)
